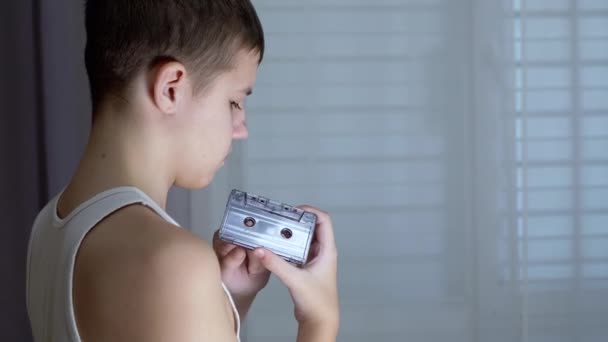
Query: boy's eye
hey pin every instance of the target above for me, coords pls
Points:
(235, 105)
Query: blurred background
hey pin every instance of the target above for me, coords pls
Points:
(460, 145)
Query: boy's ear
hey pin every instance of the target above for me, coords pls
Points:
(169, 87)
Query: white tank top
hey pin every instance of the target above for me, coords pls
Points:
(52, 250)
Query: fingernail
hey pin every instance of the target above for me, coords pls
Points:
(259, 253)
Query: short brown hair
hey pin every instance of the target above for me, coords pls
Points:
(125, 37)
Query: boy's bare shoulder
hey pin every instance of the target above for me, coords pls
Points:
(138, 240)
(136, 235)
(135, 267)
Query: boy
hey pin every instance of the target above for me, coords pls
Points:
(105, 262)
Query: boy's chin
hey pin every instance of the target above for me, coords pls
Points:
(195, 183)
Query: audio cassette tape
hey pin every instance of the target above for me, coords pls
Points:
(253, 221)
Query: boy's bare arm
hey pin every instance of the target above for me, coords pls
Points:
(174, 294)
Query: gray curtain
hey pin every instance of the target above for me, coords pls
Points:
(43, 128)
(22, 171)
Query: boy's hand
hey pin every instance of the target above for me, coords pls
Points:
(242, 273)
(313, 287)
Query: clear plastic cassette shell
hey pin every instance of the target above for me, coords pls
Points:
(253, 221)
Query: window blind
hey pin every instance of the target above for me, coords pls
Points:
(561, 129)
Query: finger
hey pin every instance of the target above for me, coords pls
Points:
(216, 236)
(287, 273)
(324, 231)
(227, 248)
(234, 259)
(221, 247)
(314, 251)
(217, 243)
(315, 248)
(254, 266)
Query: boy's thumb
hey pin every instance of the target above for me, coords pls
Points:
(285, 271)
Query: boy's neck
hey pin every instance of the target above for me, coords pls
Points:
(120, 152)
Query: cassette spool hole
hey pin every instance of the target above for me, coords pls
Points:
(249, 222)
(286, 233)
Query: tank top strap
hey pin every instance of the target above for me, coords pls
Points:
(105, 203)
